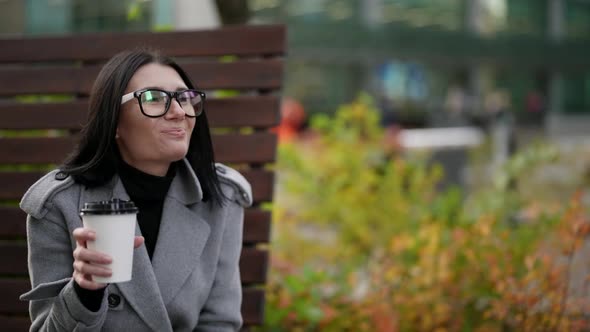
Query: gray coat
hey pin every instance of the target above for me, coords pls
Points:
(191, 284)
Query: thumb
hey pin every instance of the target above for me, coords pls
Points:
(138, 241)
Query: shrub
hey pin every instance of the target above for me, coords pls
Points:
(364, 241)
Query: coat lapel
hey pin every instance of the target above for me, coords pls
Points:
(143, 294)
(183, 233)
(181, 240)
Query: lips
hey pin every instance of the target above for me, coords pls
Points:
(175, 132)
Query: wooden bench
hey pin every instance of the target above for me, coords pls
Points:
(44, 86)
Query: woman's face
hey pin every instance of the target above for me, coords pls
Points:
(151, 144)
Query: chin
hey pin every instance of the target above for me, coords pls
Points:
(176, 154)
(176, 157)
(173, 150)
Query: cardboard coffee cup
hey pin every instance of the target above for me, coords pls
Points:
(113, 222)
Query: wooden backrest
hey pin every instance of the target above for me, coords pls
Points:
(44, 86)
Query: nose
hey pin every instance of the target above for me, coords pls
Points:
(175, 110)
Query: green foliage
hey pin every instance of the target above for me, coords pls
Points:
(306, 299)
(134, 12)
(44, 98)
(348, 183)
(163, 28)
(364, 240)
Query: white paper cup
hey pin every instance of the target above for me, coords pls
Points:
(114, 224)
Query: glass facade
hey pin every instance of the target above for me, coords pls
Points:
(12, 16)
(576, 92)
(528, 17)
(111, 15)
(50, 17)
(446, 15)
(577, 19)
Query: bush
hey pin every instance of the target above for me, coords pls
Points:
(364, 241)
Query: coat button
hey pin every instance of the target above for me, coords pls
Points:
(114, 300)
(60, 176)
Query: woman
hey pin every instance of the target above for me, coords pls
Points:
(146, 140)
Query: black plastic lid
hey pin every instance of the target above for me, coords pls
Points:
(113, 206)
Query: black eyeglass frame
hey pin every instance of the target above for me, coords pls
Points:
(171, 95)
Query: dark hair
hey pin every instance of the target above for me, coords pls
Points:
(94, 160)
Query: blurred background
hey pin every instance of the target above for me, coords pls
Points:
(434, 158)
(426, 63)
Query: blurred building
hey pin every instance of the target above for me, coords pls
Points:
(431, 62)
(518, 69)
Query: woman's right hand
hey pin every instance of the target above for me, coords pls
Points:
(86, 260)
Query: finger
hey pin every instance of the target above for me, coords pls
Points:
(91, 256)
(97, 284)
(83, 282)
(139, 240)
(82, 235)
(95, 270)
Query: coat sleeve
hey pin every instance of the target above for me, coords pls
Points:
(54, 304)
(222, 312)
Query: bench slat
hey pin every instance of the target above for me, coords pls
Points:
(15, 323)
(13, 222)
(11, 289)
(258, 148)
(253, 306)
(15, 260)
(253, 266)
(256, 224)
(242, 74)
(236, 112)
(229, 148)
(253, 262)
(268, 40)
(14, 184)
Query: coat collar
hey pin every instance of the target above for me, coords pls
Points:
(182, 237)
(185, 186)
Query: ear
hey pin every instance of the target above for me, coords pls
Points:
(117, 133)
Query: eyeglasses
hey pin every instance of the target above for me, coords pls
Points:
(155, 103)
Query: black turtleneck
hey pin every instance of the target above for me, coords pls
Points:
(147, 192)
